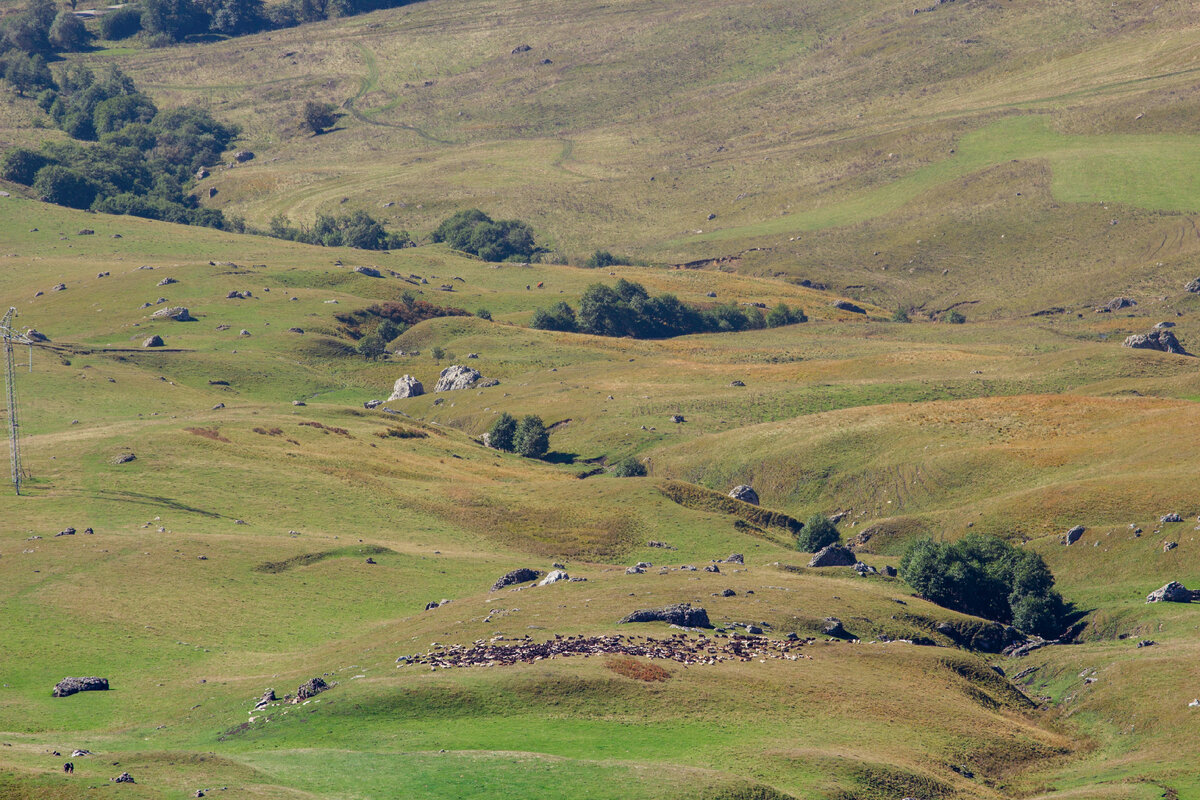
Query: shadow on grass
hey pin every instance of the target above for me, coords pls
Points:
(555, 457)
(156, 500)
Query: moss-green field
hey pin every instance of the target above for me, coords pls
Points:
(1000, 159)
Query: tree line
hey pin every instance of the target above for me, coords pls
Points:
(627, 309)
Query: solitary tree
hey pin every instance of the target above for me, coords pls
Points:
(819, 531)
(501, 434)
(318, 117)
(531, 438)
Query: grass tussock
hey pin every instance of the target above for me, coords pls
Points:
(638, 670)
(698, 498)
(269, 431)
(207, 433)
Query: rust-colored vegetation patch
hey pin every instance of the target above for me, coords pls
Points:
(638, 670)
(327, 429)
(208, 433)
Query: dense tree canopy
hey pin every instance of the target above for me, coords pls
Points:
(473, 231)
(988, 577)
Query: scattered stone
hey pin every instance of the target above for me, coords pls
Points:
(662, 545)
(370, 272)
(242, 156)
(545, 62)
(66, 532)
(299, 403)
(521, 48)
(456, 377)
(124, 777)
(295, 330)
(1172, 517)
(370, 404)
(835, 555)
(243, 332)
(267, 697)
(36, 336)
(69, 686)
(1163, 340)
(745, 494)
(154, 341)
(1145, 643)
(737, 383)
(635, 570)
(735, 558)
(1193, 286)
(311, 688)
(238, 295)
(846, 305)
(472, 355)
(865, 569)
(85, 232)
(80, 753)
(58, 287)
(554, 577)
(1173, 592)
(124, 458)
(712, 568)
(201, 174)
(890, 571)
(522, 575)
(726, 593)
(488, 383)
(682, 614)
(218, 406)
(677, 418)
(167, 281)
(1073, 535)
(1161, 325)
(177, 313)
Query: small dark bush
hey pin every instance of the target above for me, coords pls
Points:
(819, 531)
(629, 468)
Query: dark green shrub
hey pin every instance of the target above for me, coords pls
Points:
(900, 315)
(819, 531)
(558, 317)
(629, 468)
(473, 231)
(64, 187)
(782, 315)
(21, 166)
(121, 23)
(502, 432)
(531, 438)
(954, 318)
(483, 313)
(603, 258)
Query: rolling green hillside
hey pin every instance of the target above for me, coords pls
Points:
(1021, 163)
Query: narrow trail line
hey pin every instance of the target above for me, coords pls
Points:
(371, 81)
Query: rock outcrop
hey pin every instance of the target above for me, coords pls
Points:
(177, 313)
(311, 688)
(1073, 535)
(745, 494)
(154, 341)
(70, 686)
(682, 614)
(522, 575)
(1163, 340)
(554, 577)
(456, 377)
(1173, 592)
(835, 555)
(407, 386)
(846, 305)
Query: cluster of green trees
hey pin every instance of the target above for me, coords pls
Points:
(603, 258)
(528, 437)
(473, 231)
(40, 28)
(627, 309)
(138, 160)
(987, 577)
(356, 229)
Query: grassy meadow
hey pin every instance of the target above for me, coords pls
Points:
(1021, 163)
